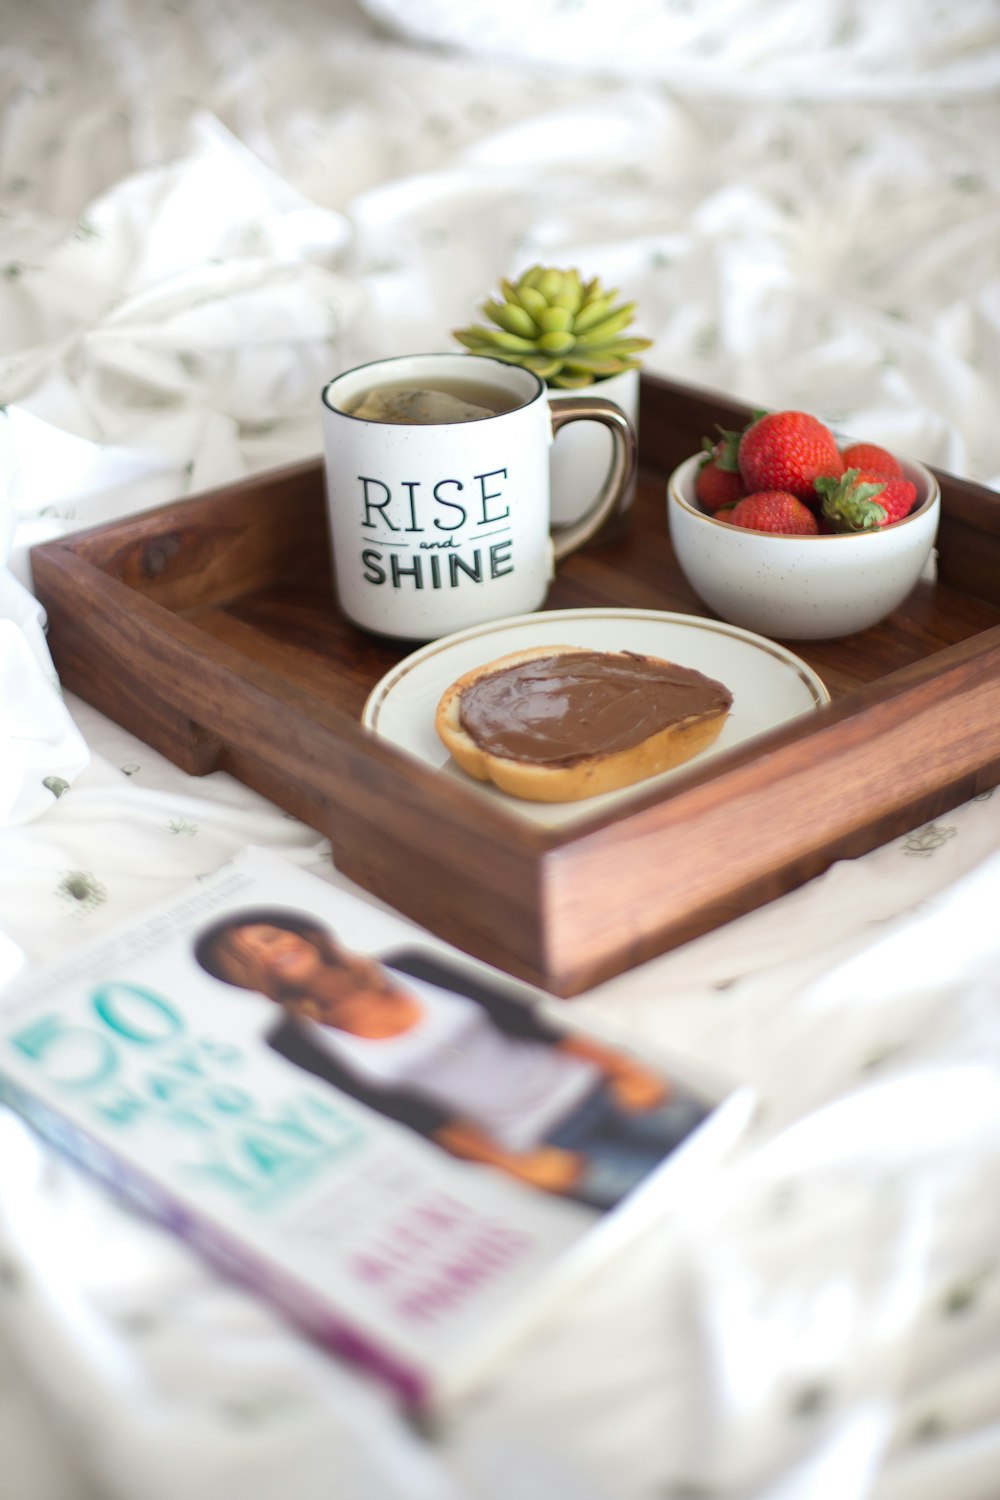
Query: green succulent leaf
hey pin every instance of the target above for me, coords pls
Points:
(556, 342)
(566, 382)
(608, 327)
(595, 365)
(593, 313)
(498, 337)
(512, 317)
(551, 283)
(569, 300)
(555, 320)
(542, 365)
(531, 300)
(613, 345)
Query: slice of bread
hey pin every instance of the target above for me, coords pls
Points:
(575, 728)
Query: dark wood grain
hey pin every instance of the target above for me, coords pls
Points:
(210, 628)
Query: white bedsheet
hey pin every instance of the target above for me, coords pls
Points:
(206, 208)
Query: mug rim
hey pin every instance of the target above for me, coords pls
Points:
(502, 365)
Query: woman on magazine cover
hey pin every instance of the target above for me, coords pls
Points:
(475, 1072)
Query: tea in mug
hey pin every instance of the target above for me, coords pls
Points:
(427, 406)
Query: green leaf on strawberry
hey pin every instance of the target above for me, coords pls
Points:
(718, 480)
(722, 450)
(850, 503)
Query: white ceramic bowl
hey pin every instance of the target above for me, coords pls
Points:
(801, 587)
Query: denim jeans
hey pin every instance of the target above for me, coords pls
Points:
(622, 1146)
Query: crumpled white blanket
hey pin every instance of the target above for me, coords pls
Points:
(151, 349)
(751, 48)
(204, 212)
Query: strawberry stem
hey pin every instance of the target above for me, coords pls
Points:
(850, 506)
(722, 450)
(730, 443)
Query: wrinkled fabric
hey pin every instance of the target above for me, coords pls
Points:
(744, 47)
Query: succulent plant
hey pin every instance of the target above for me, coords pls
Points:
(567, 330)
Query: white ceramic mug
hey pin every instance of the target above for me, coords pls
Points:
(441, 526)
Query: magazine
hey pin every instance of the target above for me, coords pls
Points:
(409, 1153)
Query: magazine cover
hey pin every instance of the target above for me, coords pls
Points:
(378, 1134)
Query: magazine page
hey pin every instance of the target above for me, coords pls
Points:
(378, 1136)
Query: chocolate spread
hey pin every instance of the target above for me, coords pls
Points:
(555, 710)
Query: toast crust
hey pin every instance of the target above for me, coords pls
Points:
(589, 776)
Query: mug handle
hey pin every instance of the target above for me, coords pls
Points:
(624, 457)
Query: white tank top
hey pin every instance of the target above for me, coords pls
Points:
(515, 1089)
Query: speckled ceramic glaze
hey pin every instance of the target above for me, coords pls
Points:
(801, 587)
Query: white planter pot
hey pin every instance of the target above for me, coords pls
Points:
(581, 455)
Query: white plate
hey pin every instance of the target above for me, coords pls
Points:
(769, 684)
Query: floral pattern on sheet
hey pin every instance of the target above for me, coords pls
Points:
(926, 841)
(963, 1297)
(82, 890)
(10, 1276)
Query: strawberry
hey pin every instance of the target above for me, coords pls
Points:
(774, 510)
(718, 479)
(873, 458)
(864, 501)
(788, 450)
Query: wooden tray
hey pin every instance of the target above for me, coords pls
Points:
(209, 628)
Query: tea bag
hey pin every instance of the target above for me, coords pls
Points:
(416, 407)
